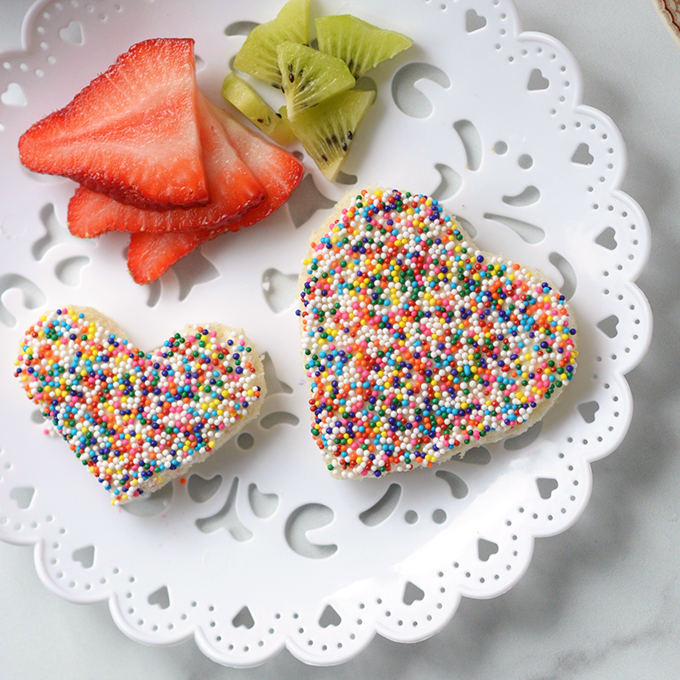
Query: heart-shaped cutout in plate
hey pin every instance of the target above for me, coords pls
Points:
(418, 344)
(135, 419)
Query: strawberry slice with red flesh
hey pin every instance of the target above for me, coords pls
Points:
(132, 133)
(150, 255)
(233, 191)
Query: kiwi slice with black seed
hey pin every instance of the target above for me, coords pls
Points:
(328, 129)
(257, 55)
(238, 93)
(285, 132)
(359, 44)
(310, 76)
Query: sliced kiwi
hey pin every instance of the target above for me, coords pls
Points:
(310, 76)
(359, 44)
(238, 93)
(284, 132)
(327, 130)
(257, 55)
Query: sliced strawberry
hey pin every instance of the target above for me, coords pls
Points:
(132, 133)
(277, 171)
(149, 255)
(232, 186)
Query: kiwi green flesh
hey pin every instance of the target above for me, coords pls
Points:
(241, 95)
(327, 130)
(282, 133)
(257, 55)
(359, 44)
(310, 77)
(238, 93)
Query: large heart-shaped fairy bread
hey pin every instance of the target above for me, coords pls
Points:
(417, 344)
(135, 419)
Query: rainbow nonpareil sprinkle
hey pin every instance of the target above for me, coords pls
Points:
(135, 419)
(417, 344)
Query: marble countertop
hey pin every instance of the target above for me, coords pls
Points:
(601, 600)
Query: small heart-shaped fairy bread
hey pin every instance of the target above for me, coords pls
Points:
(417, 344)
(139, 419)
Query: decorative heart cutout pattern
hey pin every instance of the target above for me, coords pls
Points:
(136, 419)
(417, 343)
